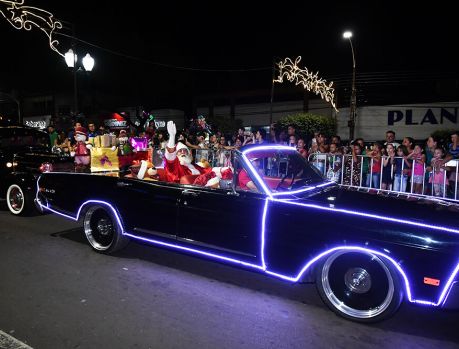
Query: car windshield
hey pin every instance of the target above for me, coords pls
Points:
(283, 169)
(17, 137)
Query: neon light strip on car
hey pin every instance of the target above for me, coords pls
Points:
(263, 267)
(254, 172)
(370, 215)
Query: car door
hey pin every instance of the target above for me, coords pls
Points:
(150, 208)
(223, 221)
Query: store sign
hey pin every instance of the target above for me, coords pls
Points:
(39, 122)
(418, 121)
(432, 116)
(160, 123)
(116, 122)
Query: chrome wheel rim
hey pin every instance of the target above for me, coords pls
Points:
(99, 228)
(15, 199)
(357, 280)
(358, 284)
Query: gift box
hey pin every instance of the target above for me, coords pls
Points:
(139, 143)
(104, 159)
(105, 141)
(113, 142)
(97, 142)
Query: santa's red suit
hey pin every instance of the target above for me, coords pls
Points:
(175, 170)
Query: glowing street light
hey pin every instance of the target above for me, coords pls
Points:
(88, 62)
(71, 59)
(352, 110)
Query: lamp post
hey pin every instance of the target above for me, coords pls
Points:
(71, 59)
(352, 110)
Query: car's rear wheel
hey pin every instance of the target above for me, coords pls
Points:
(18, 200)
(102, 230)
(359, 286)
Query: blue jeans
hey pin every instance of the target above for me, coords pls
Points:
(400, 179)
(374, 177)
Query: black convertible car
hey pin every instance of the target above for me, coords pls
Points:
(366, 252)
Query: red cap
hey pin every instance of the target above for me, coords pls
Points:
(80, 131)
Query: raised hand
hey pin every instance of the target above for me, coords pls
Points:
(171, 129)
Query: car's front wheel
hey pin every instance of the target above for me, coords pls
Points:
(18, 200)
(102, 230)
(359, 286)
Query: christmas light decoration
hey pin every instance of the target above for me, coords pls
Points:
(28, 17)
(310, 81)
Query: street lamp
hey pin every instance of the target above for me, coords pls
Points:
(352, 110)
(71, 60)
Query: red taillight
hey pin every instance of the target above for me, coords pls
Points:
(46, 167)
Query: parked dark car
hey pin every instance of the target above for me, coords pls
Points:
(366, 252)
(24, 153)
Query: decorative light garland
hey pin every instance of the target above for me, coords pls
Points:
(26, 17)
(309, 80)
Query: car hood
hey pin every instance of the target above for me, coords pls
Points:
(417, 209)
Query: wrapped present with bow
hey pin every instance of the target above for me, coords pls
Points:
(104, 159)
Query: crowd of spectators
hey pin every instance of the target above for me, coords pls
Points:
(423, 167)
(409, 166)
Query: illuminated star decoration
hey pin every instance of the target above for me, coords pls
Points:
(27, 17)
(310, 81)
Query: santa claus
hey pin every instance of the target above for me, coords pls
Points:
(179, 161)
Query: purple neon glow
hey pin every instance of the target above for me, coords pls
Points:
(370, 215)
(348, 248)
(442, 298)
(304, 189)
(447, 294)
(263, 222)
(254, 172)
(139, 143)
(183, 248)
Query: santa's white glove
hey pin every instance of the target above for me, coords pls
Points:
(172, 130)
(72, 153)
(143, 169)
(114, 148)
(89, 146)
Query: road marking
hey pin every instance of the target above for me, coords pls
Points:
(9, 342)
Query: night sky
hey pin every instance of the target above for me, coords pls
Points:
(226, 36)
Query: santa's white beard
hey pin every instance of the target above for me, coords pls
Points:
(185, 159)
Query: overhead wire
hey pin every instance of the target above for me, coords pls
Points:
(170, 66)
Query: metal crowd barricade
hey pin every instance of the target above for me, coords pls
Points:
(440, 181)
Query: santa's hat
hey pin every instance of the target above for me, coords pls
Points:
(180, 145)
(80, 131)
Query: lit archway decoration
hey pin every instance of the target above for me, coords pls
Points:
(28, 17)
(309, 80)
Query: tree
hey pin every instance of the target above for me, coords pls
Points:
(306, 124)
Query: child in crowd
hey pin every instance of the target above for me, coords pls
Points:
(375, 167)
(438, 175)
(419, 160)
(388, 162)
(402, 168)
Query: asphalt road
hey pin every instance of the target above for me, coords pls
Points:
(55, 292)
